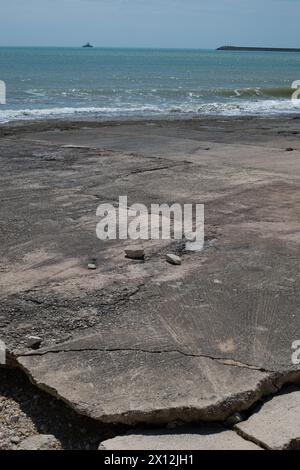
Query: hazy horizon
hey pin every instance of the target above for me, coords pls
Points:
(170, 24)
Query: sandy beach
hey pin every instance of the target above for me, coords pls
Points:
(144, 342)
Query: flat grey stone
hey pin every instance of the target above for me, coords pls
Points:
(173, 259)
(210, 438)
(40, 442)
(92, 266)
(34, 342)
(277, 424)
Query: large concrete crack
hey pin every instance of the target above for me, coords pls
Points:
(249, 438)
(225, 361)
(267, 383)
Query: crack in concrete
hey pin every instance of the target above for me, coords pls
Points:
(252, 439)
(267, 387)
(225, 361)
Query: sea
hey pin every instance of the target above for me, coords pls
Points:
(104, 83)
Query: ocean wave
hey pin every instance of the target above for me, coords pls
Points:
(52, 113)
(172, 92)
(233, 108)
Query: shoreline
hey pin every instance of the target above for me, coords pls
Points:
(171, 116)
(93, 121)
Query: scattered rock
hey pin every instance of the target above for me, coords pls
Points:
(34, 342)
(234, 419)
(15, 440)
(135, 253)
(40, 442)
(14, 419)
(173, 259)
(204, 438)
(276, 425)
(194, 246)
(92, 266)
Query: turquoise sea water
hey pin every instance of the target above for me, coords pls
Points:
(110, 83)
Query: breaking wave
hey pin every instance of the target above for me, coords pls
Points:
(232, 108)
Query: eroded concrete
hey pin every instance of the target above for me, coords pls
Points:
(209, 438)
(276, 425)
(136, 341)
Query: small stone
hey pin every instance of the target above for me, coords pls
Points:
(34, 342)
(135, 253)
(217, 281)
(15, 440)
(173, 259)
(92, 266)
(40, 442)
(234, 419)
(14, 419)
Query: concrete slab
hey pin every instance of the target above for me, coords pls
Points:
(205, 438)
(276, 425)
(135, 341)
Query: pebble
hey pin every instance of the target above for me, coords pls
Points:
(173, 259)
(34, 342)
(234, 419)
(92, 266)
(15, 440)
(14, 419)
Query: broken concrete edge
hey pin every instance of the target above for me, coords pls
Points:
(263, 445)
(218, 413)
(258, 442)
(203, 437)
(275, 425)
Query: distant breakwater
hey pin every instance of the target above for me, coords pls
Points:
(257, 49)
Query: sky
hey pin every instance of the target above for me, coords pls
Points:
(150, 23)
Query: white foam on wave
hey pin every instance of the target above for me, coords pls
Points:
(29, 114)
(238, 108)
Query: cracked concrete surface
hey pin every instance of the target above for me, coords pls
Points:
(276, 424)
(145, 342)
(195, 438)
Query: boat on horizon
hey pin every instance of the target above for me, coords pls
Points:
(87, 45)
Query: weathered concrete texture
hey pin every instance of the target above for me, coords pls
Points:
(147, 341)
(132, 386)
(206, 438)
(276, 425)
